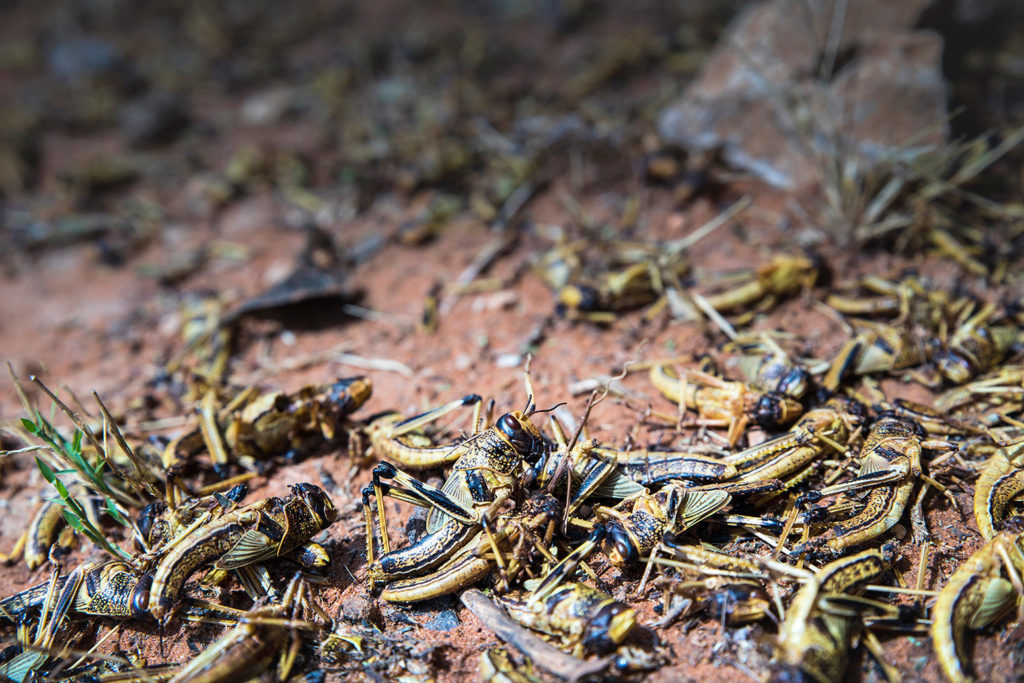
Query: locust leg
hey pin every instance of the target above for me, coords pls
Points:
(419, 421)
(414, 491)
(411, 490)
(561, 571)
(386, 435)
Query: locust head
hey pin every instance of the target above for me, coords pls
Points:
(619, 545)
(349, 393)
(612, 624)
(318, 502)
(524, 436)
(574, 299)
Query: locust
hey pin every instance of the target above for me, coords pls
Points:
(249, 649)
(627, 276)
(734, 602)
(769, 369)
(824, 617)
(268, 528)
(591, 468)
(638, 284)
(582, 619)
(47, 531)
(791, 455)
(781, 277)
(483, 478)
(875, 296)
(398, 439)
(731, 587)
(999, 391)
(652, 468)
(908, 301)
(977, 595)
(110, 589)
(638, 525)
(718, 402)
(875, 348)
(159, 525)
(781, 383)
(469, 562)
(890, 468)
(1000, 483)
(975, 347)
(254, 426)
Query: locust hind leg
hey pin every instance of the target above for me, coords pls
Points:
(414, 491)
(411, 490)
(423, 419)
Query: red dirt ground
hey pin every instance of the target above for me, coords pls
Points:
(80, 324)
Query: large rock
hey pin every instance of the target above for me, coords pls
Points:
(779, 105)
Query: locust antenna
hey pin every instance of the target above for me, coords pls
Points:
(530, 405)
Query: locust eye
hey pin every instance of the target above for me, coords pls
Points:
(518, 436)
(509, 425)
(140, 596)
(768, 411)
(618, 546)
(148, 517)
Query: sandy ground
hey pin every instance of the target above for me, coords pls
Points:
(86, 325)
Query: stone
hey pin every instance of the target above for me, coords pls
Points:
(767, 97)
(446, 620)
(155, 118)
(356, 608)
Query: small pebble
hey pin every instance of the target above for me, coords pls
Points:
(444, 621)
(356, 608)
(509, 360)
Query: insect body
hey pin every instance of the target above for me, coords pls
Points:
(783, 276)
(160, 525)
(254, 426)
(400, 439)
(111, 589)
(999, 391)
(484, 477)
(470, 562)
(263, 530)
(632, 278)
(44, 529)
(248, 649)
(817, 431)
(583, 618)
(999, 484)
(275, 421)
(814, 640)
(975, 596)
(890, 465)
(782, 383)
(636, 530)
(717, 401)
(875, 348)
(656, 467)
(727, 586)
(975, 347)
